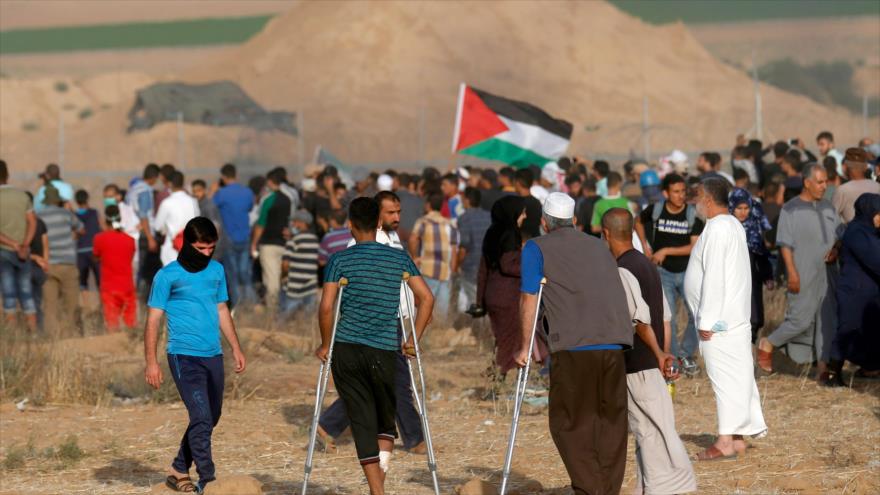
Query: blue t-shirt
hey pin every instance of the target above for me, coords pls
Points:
(190, 302)
(370, 301)
(234, 202)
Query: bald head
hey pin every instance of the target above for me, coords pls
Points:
(618, 224)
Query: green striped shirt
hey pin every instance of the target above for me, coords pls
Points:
(372, 297)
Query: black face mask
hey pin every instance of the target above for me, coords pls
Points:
(191, 259)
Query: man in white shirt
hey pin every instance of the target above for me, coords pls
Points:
(174, 212)
(718, 290)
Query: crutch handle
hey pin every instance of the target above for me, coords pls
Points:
(405, 276)
(344, 281)
(543, 280)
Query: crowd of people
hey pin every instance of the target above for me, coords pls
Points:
(707, 238)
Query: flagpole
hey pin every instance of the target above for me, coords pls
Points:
(458, 111)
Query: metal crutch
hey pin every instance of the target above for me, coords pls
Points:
(321, 389)
(419, 393)
(521, 379)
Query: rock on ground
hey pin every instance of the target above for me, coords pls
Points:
(476, 486)
(232, 485)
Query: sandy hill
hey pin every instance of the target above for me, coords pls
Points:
(377, 82)
(363, 72)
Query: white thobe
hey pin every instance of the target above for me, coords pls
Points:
(174, 212)
(718, 290)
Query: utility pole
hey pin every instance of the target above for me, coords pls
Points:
(759, 118)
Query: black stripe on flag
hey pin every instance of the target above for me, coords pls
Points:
(526, 113)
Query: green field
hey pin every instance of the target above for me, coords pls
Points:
(132, 35)
(700, 11)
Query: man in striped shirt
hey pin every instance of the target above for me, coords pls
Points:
(61, 289)
(366, 334)
(336, 239)
(300, 263)
(434, 245)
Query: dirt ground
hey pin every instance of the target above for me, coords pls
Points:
(820, 440)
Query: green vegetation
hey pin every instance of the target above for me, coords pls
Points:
(700, 11)
(132, 35)
(827, 83)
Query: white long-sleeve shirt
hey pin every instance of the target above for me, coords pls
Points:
(718, 280)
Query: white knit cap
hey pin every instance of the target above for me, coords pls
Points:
(559, 205)
(385, 182)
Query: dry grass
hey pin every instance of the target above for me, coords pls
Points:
(820, 441)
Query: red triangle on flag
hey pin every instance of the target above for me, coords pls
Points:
(477, 122)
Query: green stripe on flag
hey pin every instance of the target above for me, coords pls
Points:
(503, 151)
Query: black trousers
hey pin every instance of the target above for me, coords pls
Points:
(588, 418)
(200, 383)
(364, 378)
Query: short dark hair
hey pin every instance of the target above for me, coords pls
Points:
(392, 173)
(571, 179)
(589, 184)
(112, 187)
(473, 196)
(525, 177)
(741, 151)
(771, 189)
(670, 180)
(228, 171)
(614, 179)
(111, 212)
(717, 189)
(830, 164)
(81, 197)
(281, 173)
(199, 183)
(275, 175)
(739, 173)
(780, 148)
(430, 174)
(450, 178)
(602, 168)
(825, 135)
(151, 171)
(713, 158)
(385, 196)
(619, 222)
(200, 229)
(435, 201)
(405, 180)
(53, 171)
(508, 172)
(176, 180)
(167, 171)
(4, 171)
(339, 215)
(363, 213)
(793, 158)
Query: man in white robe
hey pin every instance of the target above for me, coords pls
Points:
(718, 292)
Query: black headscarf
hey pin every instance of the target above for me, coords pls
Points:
(867, 206)
(199, 229)
(503, 235)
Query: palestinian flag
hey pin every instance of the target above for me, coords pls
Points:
(514, 132)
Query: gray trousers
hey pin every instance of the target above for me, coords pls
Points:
(802, 331)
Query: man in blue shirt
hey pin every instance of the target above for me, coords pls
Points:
(589, 328)
(367, 342)
(192, 293)
(52, 176)
(235, 202)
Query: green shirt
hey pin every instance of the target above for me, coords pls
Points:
(605, 204)
(14, 205)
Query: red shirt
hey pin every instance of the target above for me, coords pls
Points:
(115, 251)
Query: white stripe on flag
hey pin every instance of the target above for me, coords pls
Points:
(533, 138)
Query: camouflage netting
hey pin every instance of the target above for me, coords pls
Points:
(217, 104)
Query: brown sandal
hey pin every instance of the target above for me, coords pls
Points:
(765, 359)
(183, 484)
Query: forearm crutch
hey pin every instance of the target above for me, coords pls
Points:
(321, 389)
(419, 392)
(522, 378)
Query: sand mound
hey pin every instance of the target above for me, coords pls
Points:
(363, 73)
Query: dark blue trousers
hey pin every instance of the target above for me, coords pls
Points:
(200, 383)
(334, 420)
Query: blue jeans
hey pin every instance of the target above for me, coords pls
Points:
(15, 276)
(334, 420)
(288, 306)
(237, 264)
(673, 288)
(441, 290)
(199, 381)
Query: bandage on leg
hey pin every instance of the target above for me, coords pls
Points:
(384, 460)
